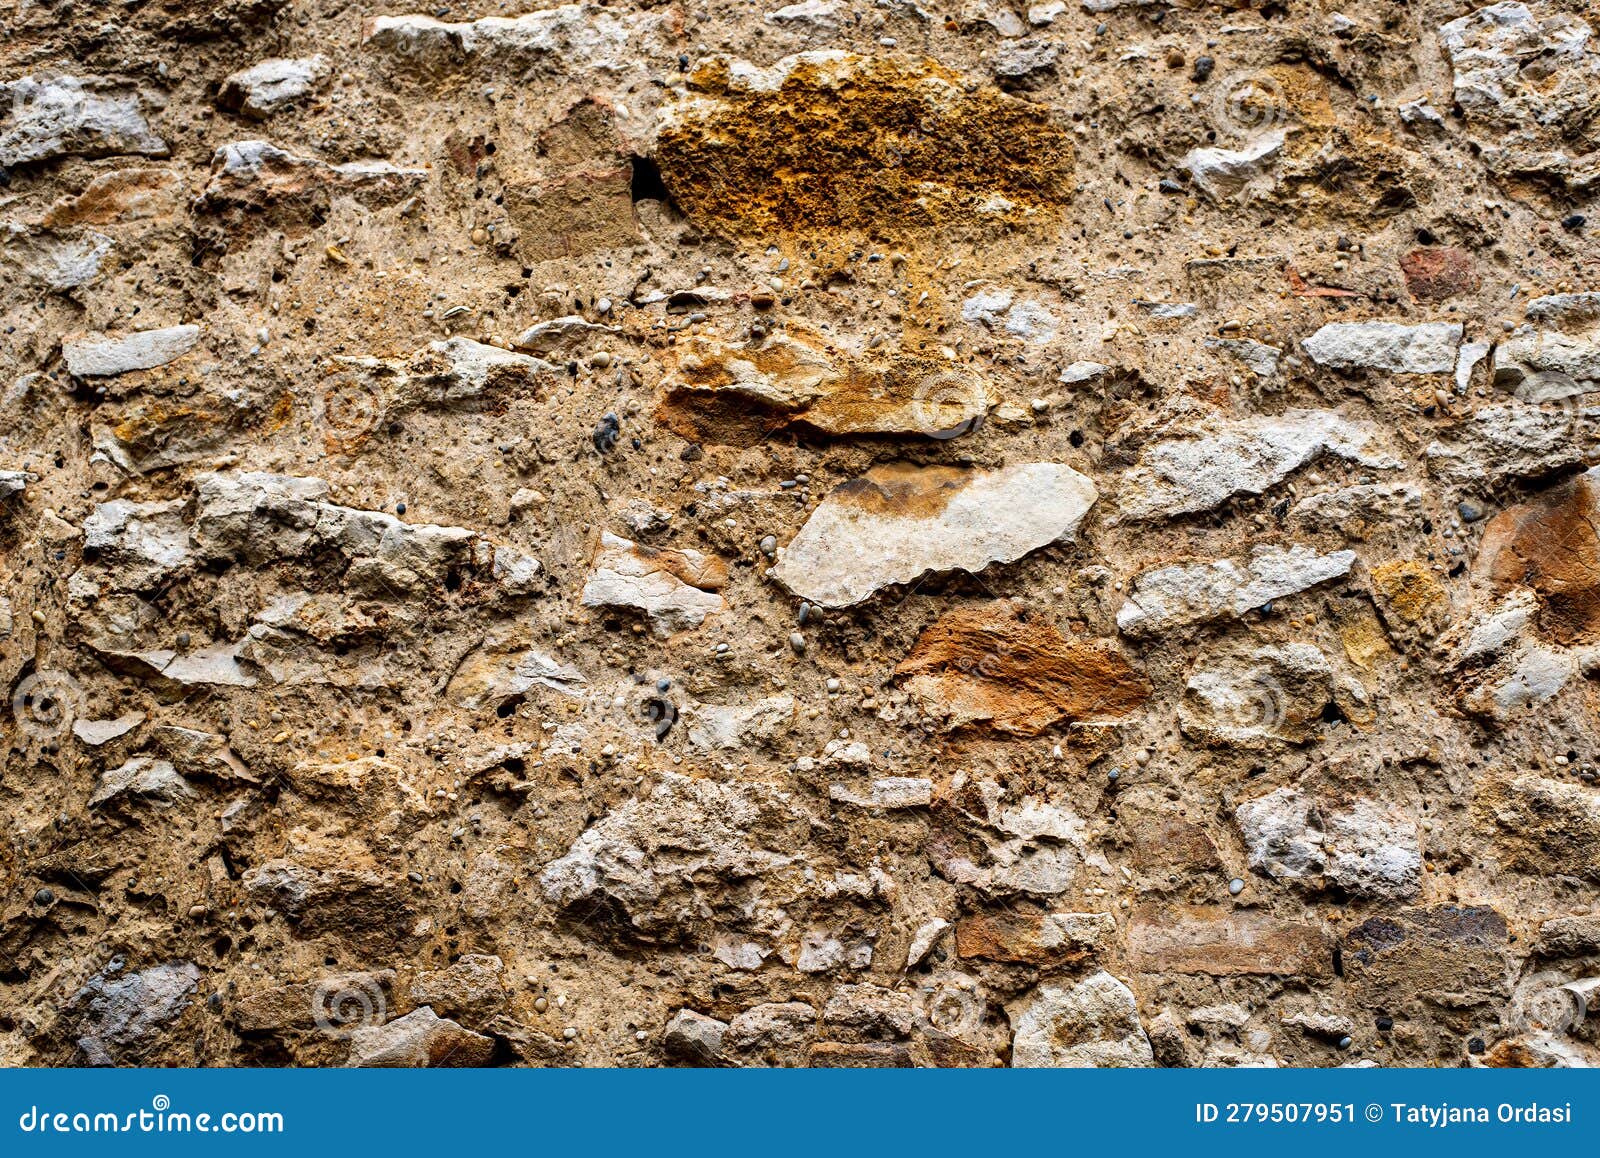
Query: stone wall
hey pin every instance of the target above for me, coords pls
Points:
(857, 533)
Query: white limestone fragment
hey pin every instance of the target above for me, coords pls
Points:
(543, 337)
(889, 792)
(152, 781)
(263, 89)
(1421, 114)
(581, 35)
(898, 522)
(813, 14)
(1077, 372)
(675, 589)
(1509, 441)
(140, 544)
(1191, 593)
(732, 727)
(490, 677)
(1001, 311)
(52, 116)
(51, 260)
(95, 733)
(1223, 174)
(1429, 348)
(1243, 457)
(1093, 1024)
(102, 357)
(1360, 847)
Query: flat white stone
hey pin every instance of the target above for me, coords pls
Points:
(1245, 457)
(107, 357)
(1515, 440)
(95, 733)
(1429, 348)
(574, 34)
(626, 576)
(1222, 174)
(1191, 593)
(154, 781)
(263, 89)
(54, 261)
(889, 792)
(56, 116)
(820, 14)
(898, 523)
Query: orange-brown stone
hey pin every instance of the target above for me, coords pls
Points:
(991, 667)
(1553, 546)
(869, 142)
(1436, 275)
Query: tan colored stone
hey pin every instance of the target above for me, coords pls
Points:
(1451, 955)
(739, 395)
(1540, 825)
(900, 522)
(1223, 943)
(1414, 604)
(119, 196)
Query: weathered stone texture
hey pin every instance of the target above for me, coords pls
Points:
(857, 533)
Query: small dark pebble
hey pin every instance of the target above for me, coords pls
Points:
(1475, 1045)
(1204, 66)
(691, 453)
(1426, 237)
(1168, 185)
(1470, 512)
(43, 897)
(1385, 1024)
(1574, 222)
